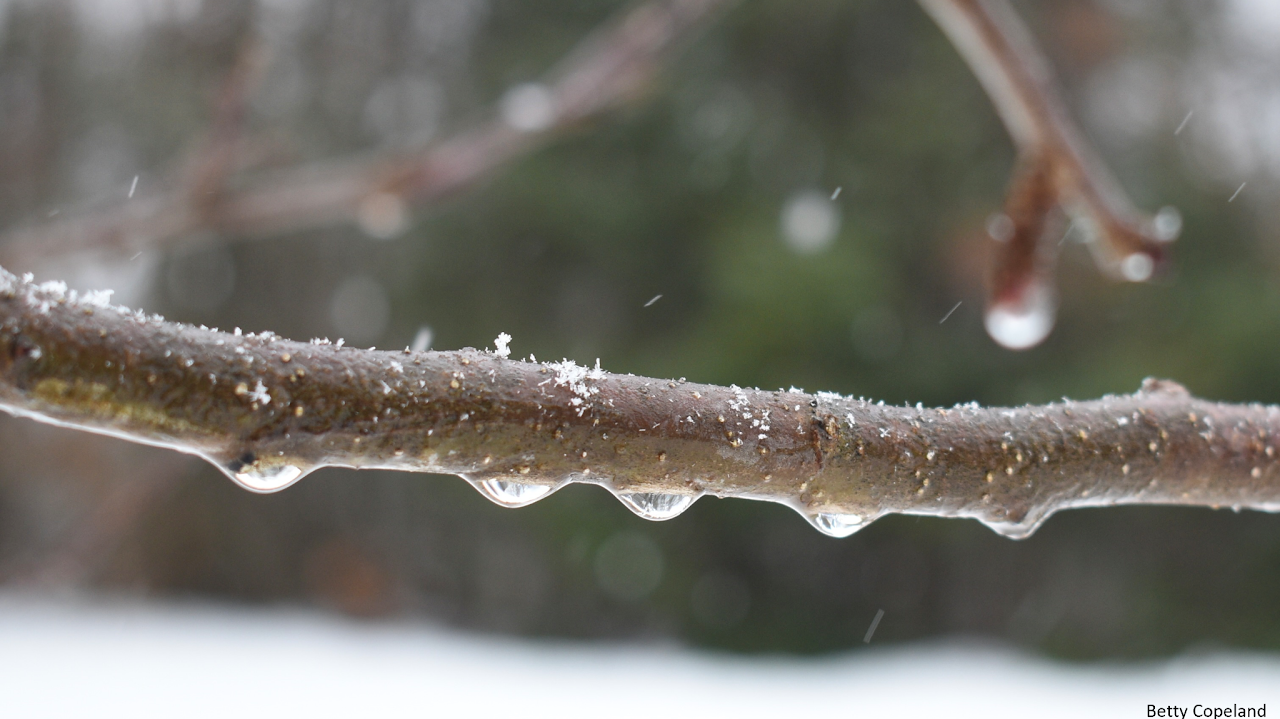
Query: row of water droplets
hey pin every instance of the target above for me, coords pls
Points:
(265, 478)
(267, 475)
(656, 506)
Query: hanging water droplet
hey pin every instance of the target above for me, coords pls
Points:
(1167, 224)
(1024, 322)
(836, 525)
(511, 494)
(1015, 530)
(656, 505)
(1137, 267)
(259, 476)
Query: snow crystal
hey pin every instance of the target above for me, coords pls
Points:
(502, 345)
(260, 394)
(57, 288)
(570, 374)
(97, 298)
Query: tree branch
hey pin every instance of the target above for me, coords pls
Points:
(609, 68)
(1057, 169)
(268, 411)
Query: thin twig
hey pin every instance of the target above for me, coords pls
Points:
(611, 67)
(268, 411)
(1057, 169)
(216, 158)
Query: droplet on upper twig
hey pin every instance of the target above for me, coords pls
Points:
(1023, 322)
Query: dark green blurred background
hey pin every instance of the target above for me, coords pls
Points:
(684, 194)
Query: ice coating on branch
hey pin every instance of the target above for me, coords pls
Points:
(256, 406)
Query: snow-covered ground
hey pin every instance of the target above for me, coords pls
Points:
(82, 658)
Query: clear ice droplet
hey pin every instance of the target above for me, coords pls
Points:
(511, 494)
(1015, 530)
(265, 479)
(1023, 323)
(656, 505)
(836, 525)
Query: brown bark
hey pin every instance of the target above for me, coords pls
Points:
(267, 411)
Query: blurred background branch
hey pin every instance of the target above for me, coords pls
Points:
(612, 66)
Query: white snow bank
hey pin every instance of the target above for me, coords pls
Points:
(61, 658)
